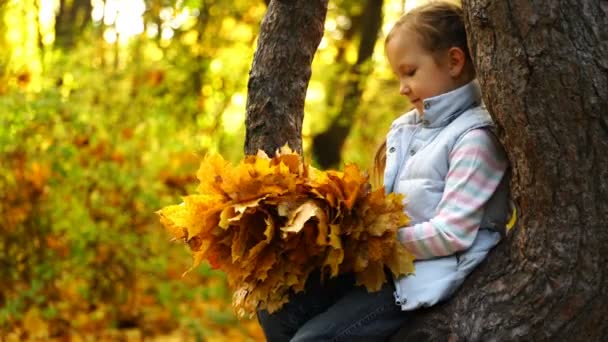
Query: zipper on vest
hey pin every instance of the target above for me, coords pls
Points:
(396, 294)
(405, 156)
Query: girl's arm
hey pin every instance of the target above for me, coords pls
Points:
(477, 164)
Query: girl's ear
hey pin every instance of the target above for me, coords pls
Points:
(456, 60)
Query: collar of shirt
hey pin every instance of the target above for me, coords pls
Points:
(442, 109)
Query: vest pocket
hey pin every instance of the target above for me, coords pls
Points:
(433, 280)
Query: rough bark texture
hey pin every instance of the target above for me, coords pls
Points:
(340, 127)
(543, 67)
(289, 36)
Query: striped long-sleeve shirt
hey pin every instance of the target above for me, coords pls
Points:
(477, 164)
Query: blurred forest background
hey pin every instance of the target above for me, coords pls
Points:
(106, 108)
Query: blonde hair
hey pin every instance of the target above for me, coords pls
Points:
(438, 26)
(377, 172)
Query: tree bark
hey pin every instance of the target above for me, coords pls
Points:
(3, 56)
(289, 36)
(543, 68)
(337, 132)
(70, 21)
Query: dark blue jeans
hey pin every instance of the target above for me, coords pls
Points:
(336, 310)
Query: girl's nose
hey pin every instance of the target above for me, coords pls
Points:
(404, 89)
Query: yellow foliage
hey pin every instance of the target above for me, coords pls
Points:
(269, 222)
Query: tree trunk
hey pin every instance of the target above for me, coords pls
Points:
(543, 68)
(70, 21)
(289, 36)
(4, 55)
(327, 146)
(201, 61)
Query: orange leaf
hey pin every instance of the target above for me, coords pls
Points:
(372, 277)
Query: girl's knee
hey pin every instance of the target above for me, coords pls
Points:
(275, 328)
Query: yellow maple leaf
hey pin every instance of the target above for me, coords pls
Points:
(400, 261)
(355, 185)
(300, 215)
(372, 277)
(173, 217)
(333, 260)
(334, 236)
(234, 212)
(211, 174)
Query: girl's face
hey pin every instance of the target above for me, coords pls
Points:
(421, 74)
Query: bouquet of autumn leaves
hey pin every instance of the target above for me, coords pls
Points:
(269, 222)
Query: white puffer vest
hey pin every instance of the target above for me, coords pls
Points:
(417, 166)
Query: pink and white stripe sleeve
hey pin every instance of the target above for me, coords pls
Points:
(477, 164)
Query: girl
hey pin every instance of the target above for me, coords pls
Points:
(444, 157)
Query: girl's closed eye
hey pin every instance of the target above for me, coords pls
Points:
(408, 72)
